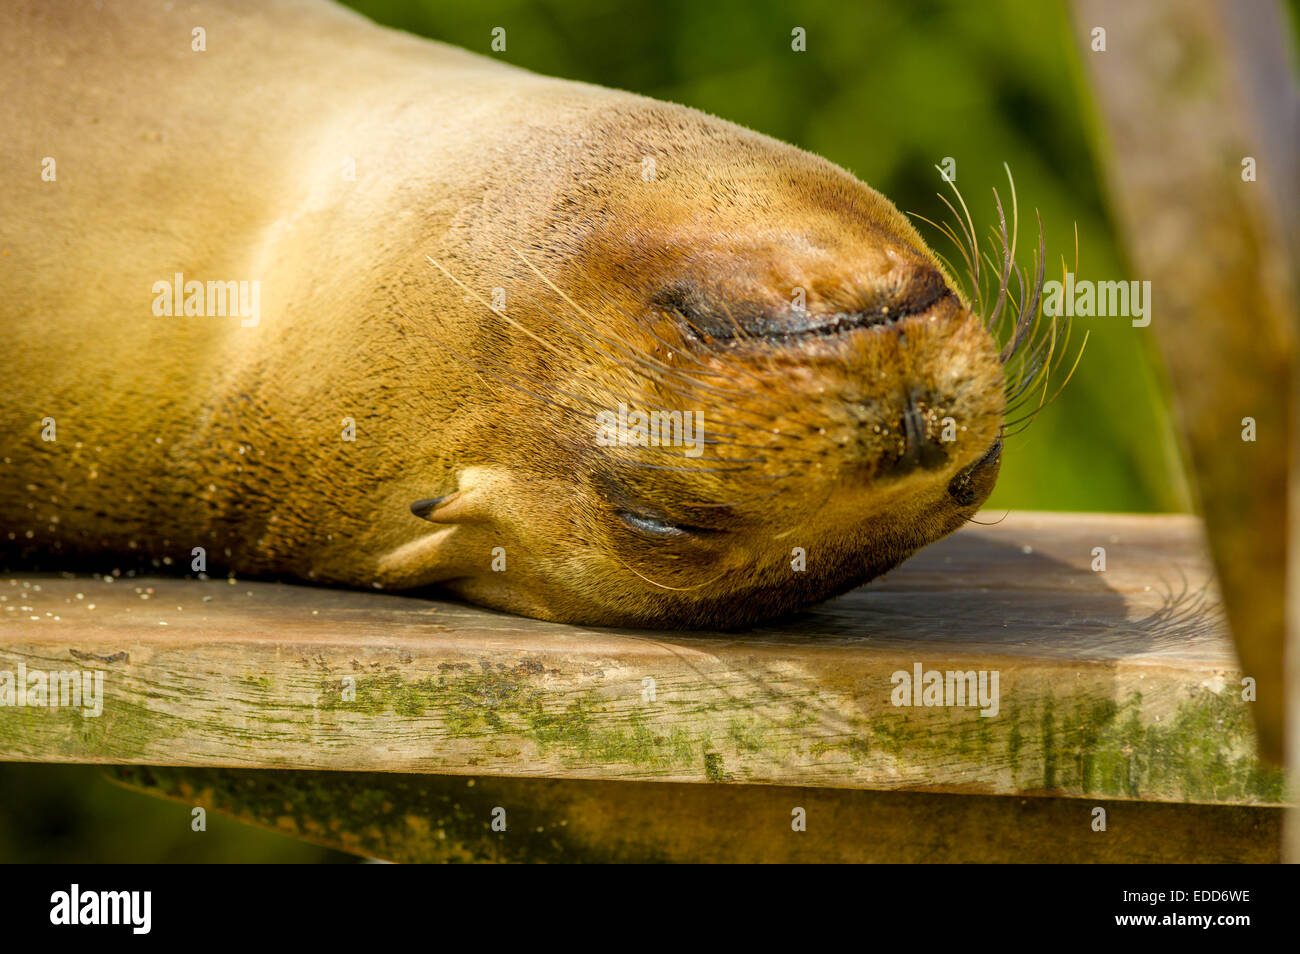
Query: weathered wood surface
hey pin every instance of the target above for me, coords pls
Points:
(438, 818)
(1186, 91)
(1119, 684)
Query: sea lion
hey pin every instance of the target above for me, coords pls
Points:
(470, 298)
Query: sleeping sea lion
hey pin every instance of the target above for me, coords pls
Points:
(290, 294)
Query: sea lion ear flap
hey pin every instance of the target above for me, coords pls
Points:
(440, 555)
(449, 551)
(453, 508)
(468, 503)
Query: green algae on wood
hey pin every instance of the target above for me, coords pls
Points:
(1109, 686)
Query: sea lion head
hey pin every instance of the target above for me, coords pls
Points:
(729, 380)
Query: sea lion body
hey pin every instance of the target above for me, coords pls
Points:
(459, 265)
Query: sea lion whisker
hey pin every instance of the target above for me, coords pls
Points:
(984, 523)
(1008, 256)
(1001, 262)
(496, 311)
(523, 390)
(1078, 357)
(741, 333)
(1019, 314)
(1006, 245)
(568, 409)
(505, 379)
(968, 223)
(664, 371)
(990, 275)
(1052, 363)
(941, 227)
(483, 368)
(1068, 327)
(1051, 338)
(585, 329)
(1015, 209)
(479, 367)
(1045, 358)
(664, 586)
(1028, 363)
(1024, 381)
(737, 371)
(995, 322)
(688, 470)
(976, 294)
(662, 367)
(709, 394)
(518, 374)
(680, 348)
(969, 244)
(1026, 370)
(965, 245)
(1015, 399)
(1028, 314)
(945, 262)
(721, 356)
(1019, 427)
(948, 232)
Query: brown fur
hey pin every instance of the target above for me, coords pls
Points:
(377, 305)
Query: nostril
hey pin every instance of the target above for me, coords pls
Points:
(922, 451)
(975, 482)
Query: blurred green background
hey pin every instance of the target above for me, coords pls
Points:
(886, 90)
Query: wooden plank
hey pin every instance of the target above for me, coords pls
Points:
(1118, 684)
(1186, 91)
(438, 818)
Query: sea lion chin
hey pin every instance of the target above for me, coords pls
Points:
(605, 360)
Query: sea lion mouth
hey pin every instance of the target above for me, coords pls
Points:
(708, 318)
(803, 324)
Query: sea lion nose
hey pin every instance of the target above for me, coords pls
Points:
(921, 447)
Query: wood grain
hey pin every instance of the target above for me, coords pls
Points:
(1119, 684)
(1184, 92)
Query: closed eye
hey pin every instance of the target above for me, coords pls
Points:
(659, 529)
